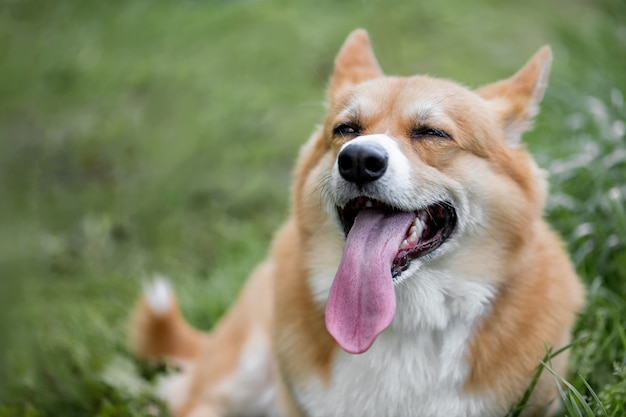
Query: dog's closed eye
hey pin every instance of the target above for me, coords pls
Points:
(425, 132)
(345, 129)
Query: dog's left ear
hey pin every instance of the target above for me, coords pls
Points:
(517, 98)
(354, 64)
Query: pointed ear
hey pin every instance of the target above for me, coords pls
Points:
(518, 97)
(354, 64)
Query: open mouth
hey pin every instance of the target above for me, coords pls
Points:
(430, 228)
(381, 242)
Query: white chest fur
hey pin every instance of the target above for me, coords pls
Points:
(418, 366)
(409, 375)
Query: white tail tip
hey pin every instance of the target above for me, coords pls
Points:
(158, 295)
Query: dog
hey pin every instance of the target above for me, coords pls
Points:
(414, 276)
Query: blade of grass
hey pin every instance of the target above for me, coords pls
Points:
(595, 396)
(571, 390)
(523, 403)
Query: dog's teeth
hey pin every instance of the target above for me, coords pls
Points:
(418, 227)
(414, 234)
(423, 216)
(368, 204)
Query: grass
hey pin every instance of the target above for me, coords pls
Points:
(144, 137)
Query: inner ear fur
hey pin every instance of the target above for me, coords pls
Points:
(517, 98)
(354, 64)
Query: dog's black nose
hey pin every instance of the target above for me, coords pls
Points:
(362, 162)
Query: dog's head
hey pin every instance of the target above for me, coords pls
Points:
(411, 174)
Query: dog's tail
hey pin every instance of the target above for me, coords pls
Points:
(158, 329)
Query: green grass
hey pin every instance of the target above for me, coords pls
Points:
(143, 137)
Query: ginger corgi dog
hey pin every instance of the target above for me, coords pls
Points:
(415, 275)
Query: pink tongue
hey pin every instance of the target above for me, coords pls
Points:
(362, 301)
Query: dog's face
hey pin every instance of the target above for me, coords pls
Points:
(413, 174)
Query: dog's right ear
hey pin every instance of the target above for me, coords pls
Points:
(354, 64)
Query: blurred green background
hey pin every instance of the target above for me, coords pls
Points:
(143, 137)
